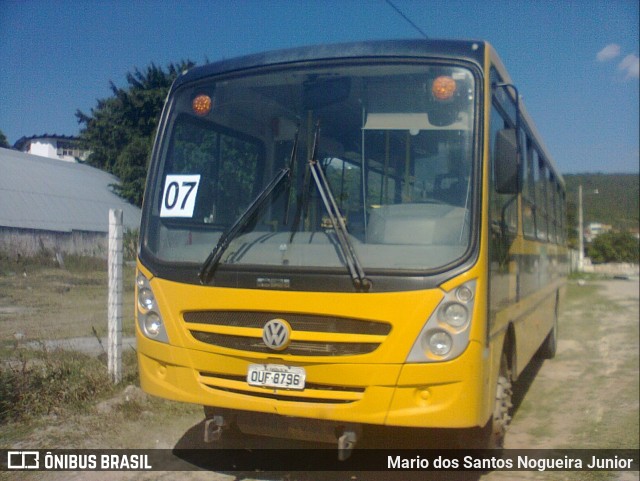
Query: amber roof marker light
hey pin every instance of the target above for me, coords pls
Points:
(201, 105)
(443, 87)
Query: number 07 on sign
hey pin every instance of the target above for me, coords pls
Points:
(179, 196)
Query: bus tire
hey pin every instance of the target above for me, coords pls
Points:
(501, 418)
(503, 405)
(502, 413)
(492, 435)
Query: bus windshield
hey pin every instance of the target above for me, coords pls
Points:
(394, 141)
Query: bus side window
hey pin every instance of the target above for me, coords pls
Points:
(541, 196)
(528, 191)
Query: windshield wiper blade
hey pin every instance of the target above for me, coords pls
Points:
(358, 277)
(287, 193)
(210, 264)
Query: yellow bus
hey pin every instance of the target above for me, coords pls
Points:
(349, 235)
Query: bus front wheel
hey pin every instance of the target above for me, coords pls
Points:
(502, 408)
(492, 435)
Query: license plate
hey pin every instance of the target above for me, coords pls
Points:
(276, 376)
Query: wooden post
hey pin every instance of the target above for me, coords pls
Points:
(114, 351)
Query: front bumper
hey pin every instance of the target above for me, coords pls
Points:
(434, 395)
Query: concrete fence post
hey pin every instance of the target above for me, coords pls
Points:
(114, 351)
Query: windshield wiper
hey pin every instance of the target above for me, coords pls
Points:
(210, 264)
(358, 277)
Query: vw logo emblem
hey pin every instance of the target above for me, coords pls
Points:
(276, 334)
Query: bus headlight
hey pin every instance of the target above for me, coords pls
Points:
(454, 314)
(145, 299)
(445, 335)
(149, 318)
(464, 293)
(152, 324)
(439, 343)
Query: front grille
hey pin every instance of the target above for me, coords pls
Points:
(242, 330)
(313, 393)
(299, 348)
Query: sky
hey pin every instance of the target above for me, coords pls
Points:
(575, 63)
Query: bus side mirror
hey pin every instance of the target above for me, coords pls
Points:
(506, 162)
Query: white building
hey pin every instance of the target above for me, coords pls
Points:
(594, 229)
(61, 147)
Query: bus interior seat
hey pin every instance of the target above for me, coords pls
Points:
(411, 224)
(450, 189)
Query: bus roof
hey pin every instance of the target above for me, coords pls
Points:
(471, 50)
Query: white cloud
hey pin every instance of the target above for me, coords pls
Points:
(609, 52)
(631, 65)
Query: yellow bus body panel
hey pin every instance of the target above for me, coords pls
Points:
(374, 388)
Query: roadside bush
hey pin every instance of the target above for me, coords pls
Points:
(84, 264)
(36, 383)
(615, 247)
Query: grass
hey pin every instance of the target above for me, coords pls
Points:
(61, 398)
(72, 301)
(66, 399)
(36, 383)
(609, 363)
(39, 300)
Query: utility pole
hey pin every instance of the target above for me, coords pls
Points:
(580, 232)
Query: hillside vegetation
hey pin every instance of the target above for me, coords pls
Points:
(607, 198)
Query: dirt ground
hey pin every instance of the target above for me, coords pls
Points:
(586, 397)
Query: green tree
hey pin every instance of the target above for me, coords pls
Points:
(615, 247)
(4, 143)
(131, 168)
(119, 130)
